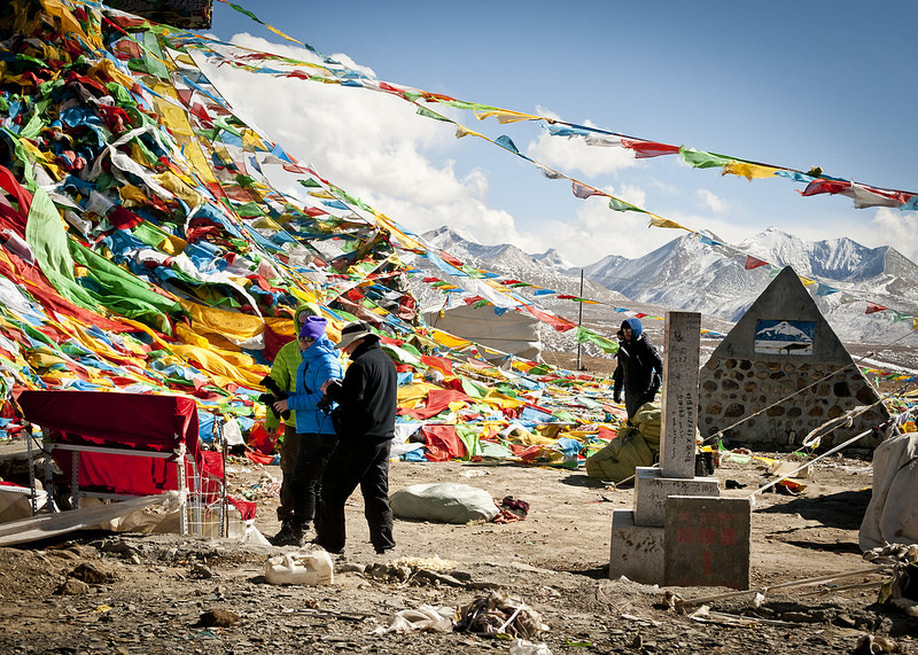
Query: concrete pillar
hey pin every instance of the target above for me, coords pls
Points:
(682, 344)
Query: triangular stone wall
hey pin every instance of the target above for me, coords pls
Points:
(783, 345)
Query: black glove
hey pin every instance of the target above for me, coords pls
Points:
(275, 394)
(617, 398)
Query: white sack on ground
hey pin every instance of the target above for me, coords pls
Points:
(446, 502)
(892, 515)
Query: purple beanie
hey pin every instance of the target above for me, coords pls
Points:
(313, 328)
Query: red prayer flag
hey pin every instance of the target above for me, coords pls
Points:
(754, 262)
(825, 186)
(645, 149)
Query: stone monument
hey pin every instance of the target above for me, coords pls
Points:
(655, 543)
(783, 372)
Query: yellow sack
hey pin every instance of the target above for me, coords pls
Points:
(617, 460)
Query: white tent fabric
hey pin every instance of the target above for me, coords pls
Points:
(511, 332)
(892, 515)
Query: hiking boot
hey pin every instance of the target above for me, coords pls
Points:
(290, 534)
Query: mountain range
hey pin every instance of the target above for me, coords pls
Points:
(687, 274)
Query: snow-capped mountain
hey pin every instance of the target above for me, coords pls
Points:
(549, 269)
(687, 274)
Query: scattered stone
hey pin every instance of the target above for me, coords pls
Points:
(91, 574)
(72, 587)
(349, 567)
(800, 617)
(200, 572)
(218, 618)
(127, 551)
(845, 621)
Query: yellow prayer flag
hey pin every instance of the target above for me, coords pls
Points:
(448, 340)
(211, 321)
(658, 221)
(223, 371)
(172, 182)
(505, 116)
(462, 131)
(69, 24)
(749, 171)
(415, 391)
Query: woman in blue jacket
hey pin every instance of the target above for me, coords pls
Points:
(313, 423)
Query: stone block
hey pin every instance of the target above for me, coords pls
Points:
(651, 490)
(707, 542)
(636, 551)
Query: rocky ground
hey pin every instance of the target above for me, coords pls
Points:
(131, 593)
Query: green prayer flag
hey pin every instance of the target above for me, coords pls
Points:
(588, 336)
(702, 159)
(424, 111)
(622, 206)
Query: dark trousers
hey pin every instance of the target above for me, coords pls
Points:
(634, 400)
(363, 462)
(311, 459)
(288, 450)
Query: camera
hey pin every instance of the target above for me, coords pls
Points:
(326, 403)
(274, 394)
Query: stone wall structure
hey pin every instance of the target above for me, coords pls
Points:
(784, 363)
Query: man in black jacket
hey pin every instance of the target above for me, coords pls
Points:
(365, 423)
(639, 368)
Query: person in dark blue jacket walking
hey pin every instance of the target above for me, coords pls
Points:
(639, 369)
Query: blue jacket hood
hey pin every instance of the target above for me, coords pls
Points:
(320, 348)
(635, 325)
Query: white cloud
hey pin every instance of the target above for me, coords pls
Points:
(573, 156)
(596, 231)
(711, 201)
(892, 227)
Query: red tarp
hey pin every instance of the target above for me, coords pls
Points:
(443, 443)
(438, 400)
(121, 420)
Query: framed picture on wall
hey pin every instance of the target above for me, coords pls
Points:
(783, 337)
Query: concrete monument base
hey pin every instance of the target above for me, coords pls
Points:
(636, 551)
(651, 490)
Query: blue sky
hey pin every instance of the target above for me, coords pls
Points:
(790, 84)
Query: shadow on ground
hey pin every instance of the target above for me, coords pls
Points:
(596, 573)
(583, 481)
(593, 483)
(843, 510)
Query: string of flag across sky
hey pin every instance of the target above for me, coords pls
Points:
(332, 71)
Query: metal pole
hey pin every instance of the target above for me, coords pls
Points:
(580, 320)
(224, 515)
(33, 492)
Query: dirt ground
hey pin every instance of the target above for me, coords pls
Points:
(131, 593)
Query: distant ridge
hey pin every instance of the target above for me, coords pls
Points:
(685, 274)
